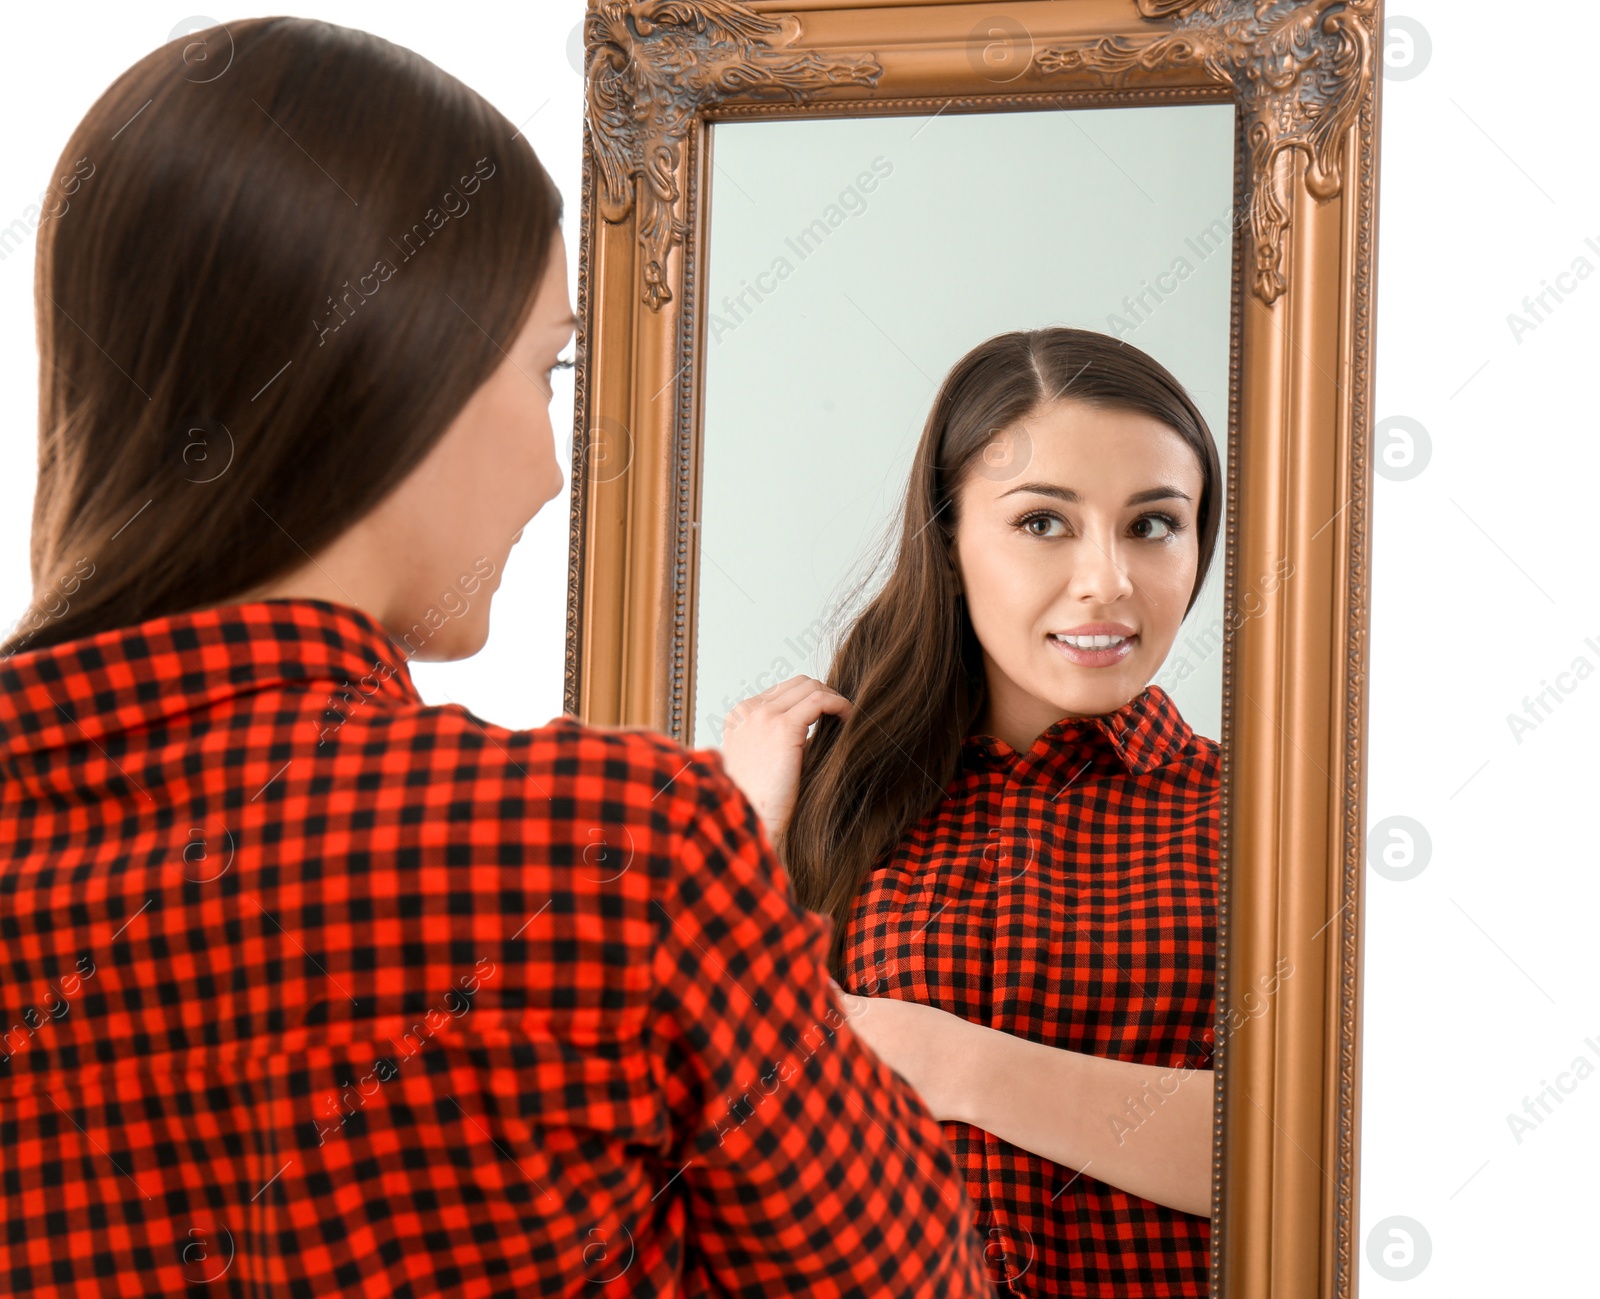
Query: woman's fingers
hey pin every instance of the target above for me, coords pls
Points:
(759, 704)
(811, 697)
(780, 697)
(809, 707)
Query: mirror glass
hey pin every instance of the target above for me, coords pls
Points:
(850, 263)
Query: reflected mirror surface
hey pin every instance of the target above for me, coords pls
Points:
(850, 263)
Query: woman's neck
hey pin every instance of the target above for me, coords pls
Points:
(1020, 721)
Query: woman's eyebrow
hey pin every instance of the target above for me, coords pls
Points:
(1072, 497)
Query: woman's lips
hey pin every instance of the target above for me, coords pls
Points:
(1095, 658)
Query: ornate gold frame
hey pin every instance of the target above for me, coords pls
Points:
(1303, 75)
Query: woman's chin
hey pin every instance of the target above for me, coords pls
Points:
(459, 638)
(1095, 698)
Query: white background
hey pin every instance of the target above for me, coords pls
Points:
(1478, 986)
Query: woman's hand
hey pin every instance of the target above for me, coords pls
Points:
(764, 738)
(930, 1048)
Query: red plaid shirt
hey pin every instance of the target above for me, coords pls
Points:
(310, 988)
(1067, 895)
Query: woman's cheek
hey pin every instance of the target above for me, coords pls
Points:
(1175, 574)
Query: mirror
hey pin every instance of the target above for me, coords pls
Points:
(798, 216)
(850, 263)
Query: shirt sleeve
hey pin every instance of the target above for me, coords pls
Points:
(809, 1166)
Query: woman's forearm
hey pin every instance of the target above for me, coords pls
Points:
(1146, 1129)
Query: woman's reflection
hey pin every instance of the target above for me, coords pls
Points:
(1015, 833)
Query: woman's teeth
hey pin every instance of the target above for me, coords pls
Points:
(1089, 642)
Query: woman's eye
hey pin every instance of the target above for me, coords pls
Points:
(1042, 525)
(1155, 527)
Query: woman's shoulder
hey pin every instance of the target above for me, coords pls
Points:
(631, 769)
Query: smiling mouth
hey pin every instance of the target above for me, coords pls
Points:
(1094, 651)
(1089, 642)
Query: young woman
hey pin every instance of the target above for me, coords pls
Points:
(310, 988)
(1014, 835)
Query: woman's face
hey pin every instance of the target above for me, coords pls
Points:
(428, 558)
(1076, 546)
(449, 527)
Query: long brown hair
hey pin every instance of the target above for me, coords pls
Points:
(910, 660)
(281, 256)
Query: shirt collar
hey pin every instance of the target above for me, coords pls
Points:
(1145, 733)
(153, 671)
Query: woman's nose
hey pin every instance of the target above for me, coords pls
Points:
(1098, 573)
